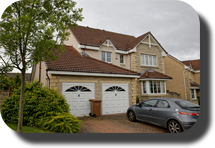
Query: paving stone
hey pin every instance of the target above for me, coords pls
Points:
(117, 123)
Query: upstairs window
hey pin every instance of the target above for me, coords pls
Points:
(148, 60)
(122, 59)
(106, 57)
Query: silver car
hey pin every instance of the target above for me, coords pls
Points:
(176, 115)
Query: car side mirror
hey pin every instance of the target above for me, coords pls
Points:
(138, 104)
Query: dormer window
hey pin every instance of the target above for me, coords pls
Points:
(106, 57)
(148, 60)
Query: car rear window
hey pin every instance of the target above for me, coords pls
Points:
(188, 105)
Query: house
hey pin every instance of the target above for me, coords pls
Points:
(186, 77)
(27, 76)
(112, 67)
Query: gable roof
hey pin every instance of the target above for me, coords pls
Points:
(154, 74)
(96, 37)
(71, 60)
(195, 63)
(194, 84)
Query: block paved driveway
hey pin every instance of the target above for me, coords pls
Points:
(117, 123)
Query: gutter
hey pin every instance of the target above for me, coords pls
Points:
(185, 85)
(48, 77)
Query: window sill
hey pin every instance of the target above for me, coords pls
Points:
(194, 99)
(154, 94)
(122, 64)
(149, 66)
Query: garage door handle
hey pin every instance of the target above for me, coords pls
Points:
(150, 109)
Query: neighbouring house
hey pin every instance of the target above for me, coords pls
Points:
(112, 67)
(27, 76)
(194, 77)
(186, 77)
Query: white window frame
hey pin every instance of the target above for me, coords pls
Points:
(123, 59)
(146, 56)
(106, 53)
(148, 87)
(194, 94)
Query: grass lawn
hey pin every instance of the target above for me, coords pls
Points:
(28, 129)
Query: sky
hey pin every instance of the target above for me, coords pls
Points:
(174, 24)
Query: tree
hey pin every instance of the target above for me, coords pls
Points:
(29, 29)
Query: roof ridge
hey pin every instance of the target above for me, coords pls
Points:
(112, 65)
(106, 30)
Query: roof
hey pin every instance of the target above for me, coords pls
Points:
(194, 84)
(27, 76)
(71, 60)
(195, 63)
(96, 37)
(154, 74)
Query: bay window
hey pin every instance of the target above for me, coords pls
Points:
(153, 87)
(148, 60)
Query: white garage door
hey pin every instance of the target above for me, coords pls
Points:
(77, 96)
(115, 98)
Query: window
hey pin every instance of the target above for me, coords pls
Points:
(153, 87)
(148, 60)
(121, 59)
(193, 93)
(115, 88)
(188, 105)
(106, 57)
(149, 103)
(78, 88)
(144, 87)
(163, 104)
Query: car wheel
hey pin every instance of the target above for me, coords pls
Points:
(131, 116)
(174, 126)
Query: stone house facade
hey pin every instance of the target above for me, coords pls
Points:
(112, 67)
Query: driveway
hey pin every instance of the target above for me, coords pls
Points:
(117, 123)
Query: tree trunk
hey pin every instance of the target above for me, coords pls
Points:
(21, 106)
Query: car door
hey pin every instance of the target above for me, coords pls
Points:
(144, 112)
(161, 112)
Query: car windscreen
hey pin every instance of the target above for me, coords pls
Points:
(188, 105)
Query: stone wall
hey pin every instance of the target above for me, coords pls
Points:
(144, 49)
(172, 95)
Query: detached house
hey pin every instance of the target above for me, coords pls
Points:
(186, 77)
(112, 67)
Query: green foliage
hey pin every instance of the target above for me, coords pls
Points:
(4, 82)
(10, 82)
(137, 99)
(39, 101)
(30, 28)
(198, 97)
(60, 122)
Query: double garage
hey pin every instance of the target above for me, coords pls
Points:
(114, 96)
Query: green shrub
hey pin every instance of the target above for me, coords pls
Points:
(60, 122)
(198, 97)
(137, 99)
(38, 102)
